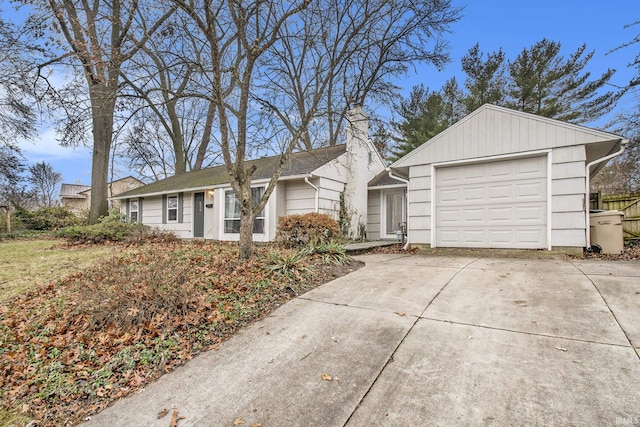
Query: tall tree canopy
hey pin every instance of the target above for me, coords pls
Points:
(540, 80)
(96, 39)
(543, 82)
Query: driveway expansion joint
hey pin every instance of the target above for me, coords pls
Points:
(626, 335)
(535, 334)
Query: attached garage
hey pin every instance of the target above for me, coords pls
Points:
(504, 179)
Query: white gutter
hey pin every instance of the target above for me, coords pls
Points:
(623, 143)
(406, 181)
(317, 200)
(391, 175)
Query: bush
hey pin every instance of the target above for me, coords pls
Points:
(51, 218)
(308, 229)
(101, 232)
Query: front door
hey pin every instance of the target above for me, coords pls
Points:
(394, 210)
(198, 215)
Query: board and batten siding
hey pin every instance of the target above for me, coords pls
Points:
(373, 215)
(493, 131)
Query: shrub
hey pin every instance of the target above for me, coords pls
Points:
(308, 229)
(288, 265)
(101, 232)
(332, 253)
(51, 218)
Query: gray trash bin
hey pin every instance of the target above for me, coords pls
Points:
(606, 231)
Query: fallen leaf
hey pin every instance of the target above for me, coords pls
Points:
(238, 422)
(326, 377)
(163, 413)
(400, 313)
(174, 419)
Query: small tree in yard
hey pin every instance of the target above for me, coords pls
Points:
(45, 182)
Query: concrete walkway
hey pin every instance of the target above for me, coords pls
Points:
(423, 341)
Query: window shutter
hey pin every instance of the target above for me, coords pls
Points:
(180, 205)
(127, 209)
(140, 210)
(164, 208)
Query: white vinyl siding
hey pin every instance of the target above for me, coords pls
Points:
(300, 197)
(373, 215)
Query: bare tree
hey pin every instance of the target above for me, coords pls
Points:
(357, 47)
(167, 79)
(45, 182)
(255, 46)
(99, 37)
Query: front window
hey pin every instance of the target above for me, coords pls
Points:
(133, 211)
(232, 212)
(172, 208)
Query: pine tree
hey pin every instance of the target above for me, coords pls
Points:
(486, 78)
(543, 82)
(425, 115)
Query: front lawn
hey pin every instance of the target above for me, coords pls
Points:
(27, 263)
(70, 347)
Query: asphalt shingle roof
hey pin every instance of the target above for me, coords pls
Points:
(383, 179)
(299, 163)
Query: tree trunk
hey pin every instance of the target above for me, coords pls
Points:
(246, 234)
(103, 104)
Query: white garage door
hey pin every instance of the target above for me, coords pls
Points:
(500, 204)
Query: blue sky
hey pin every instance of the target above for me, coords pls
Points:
(512, 25)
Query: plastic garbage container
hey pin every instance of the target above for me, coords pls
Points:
(606, 231)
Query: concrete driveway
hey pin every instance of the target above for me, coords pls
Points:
(424, 341)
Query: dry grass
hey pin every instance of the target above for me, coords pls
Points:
(25, 264)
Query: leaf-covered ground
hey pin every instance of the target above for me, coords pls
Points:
(73, 346)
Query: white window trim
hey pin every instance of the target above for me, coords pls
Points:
(172, 221)
(236, 236)
(137, 210)
(384, 233)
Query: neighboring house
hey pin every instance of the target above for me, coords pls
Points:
(72, 196)
(504, 179)
(77, 197)
(201, 204)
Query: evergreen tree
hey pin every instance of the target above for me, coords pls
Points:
(425, 115)
(486, 78)
(543, 82)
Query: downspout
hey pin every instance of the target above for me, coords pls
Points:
(623, 143)
(317, 200)
(406, 181)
